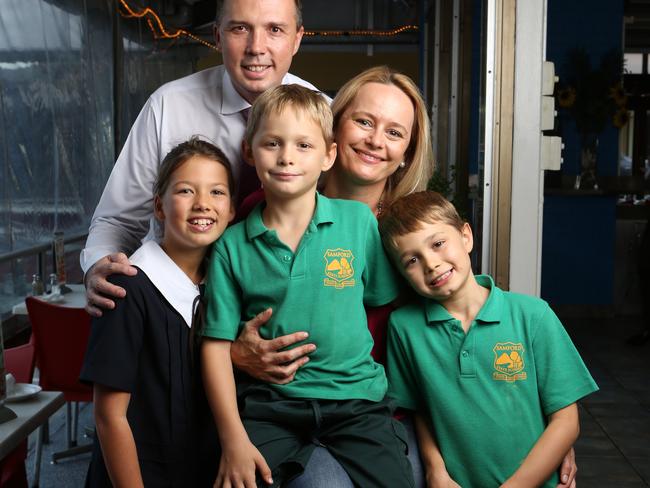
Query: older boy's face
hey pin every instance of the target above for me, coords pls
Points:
(435, 260)
(289, 153)
(258, 39)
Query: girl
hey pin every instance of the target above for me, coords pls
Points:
(138, 356)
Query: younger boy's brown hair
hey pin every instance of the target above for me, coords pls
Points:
(406, 215)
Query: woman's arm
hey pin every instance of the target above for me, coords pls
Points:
(434, 466)
(549, 450)
(115, 437)
(568, 470)
(239, 457)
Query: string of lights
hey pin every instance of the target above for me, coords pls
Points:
(159, 30)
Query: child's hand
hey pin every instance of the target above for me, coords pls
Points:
(238, 466)
(441, 479)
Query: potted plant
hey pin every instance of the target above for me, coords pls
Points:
(593, 96)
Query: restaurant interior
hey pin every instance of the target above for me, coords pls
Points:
(540, 129)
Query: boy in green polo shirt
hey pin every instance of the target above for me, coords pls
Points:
(493, 375)
(315, 262)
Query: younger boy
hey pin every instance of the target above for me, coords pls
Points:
(493, 374)
(315, 262)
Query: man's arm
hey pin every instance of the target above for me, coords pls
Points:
(547, 453)
(267, 360)
(125, 208)
(123, 214)
(239, 457)
(116, 437)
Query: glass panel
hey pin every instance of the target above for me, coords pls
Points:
(56, 138)
(634, 63)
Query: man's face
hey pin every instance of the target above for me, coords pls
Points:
(257, 39)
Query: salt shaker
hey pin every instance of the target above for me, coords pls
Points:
(37, 285)
(55, 288)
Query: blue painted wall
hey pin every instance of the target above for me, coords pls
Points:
(579, 231)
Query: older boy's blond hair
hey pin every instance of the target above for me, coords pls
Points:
(309, 102)
(408, 213)
(418, 158)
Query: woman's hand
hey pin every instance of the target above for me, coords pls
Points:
(568, 470)
(441, 479)
(238, 466)
(98, 290)
(267, 360)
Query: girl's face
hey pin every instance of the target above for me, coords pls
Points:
(196, 207)
(373, 133)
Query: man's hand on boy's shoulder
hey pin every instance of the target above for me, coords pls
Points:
(269, 360)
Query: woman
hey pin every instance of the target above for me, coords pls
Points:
(382, 134)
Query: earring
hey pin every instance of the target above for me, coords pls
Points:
(402, 164)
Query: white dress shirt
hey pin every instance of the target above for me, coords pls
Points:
(205, 104)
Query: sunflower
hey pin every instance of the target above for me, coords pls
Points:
(566, 97)
(620, 118)
(618, 95)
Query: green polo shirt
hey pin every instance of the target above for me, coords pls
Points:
(338, 267)
(487, 393)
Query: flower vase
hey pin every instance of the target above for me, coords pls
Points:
(588, 163)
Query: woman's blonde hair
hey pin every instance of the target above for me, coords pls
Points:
(418, 157)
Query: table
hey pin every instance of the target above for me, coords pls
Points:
(73, 299)
(32, 413)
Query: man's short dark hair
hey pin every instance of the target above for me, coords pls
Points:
(298, 3)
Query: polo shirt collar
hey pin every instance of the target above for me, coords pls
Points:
(490, 312)
(324, 214)
(177, 288)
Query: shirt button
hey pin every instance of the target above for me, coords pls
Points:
(465, 354)
(287, 258)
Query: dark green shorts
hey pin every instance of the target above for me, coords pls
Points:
(362, 435)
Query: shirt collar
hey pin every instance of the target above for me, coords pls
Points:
(168, 278)
(489, 313)
(323, 214)
(232, 102)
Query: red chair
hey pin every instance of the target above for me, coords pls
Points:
(19, 361)
(60, 339)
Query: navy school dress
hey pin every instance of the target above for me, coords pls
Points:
(143, 347)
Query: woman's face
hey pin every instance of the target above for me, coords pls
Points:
(374, 133)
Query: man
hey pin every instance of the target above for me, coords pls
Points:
(257, 39)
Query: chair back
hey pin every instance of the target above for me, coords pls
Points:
(19, 361)
(60, 341)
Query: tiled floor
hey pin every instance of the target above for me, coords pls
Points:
(614, 446)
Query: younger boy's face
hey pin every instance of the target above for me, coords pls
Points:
(289, 153)
(435, 259)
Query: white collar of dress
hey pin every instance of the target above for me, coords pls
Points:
(177, 288)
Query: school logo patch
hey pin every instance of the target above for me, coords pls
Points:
(509, 362)
(338, 268)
